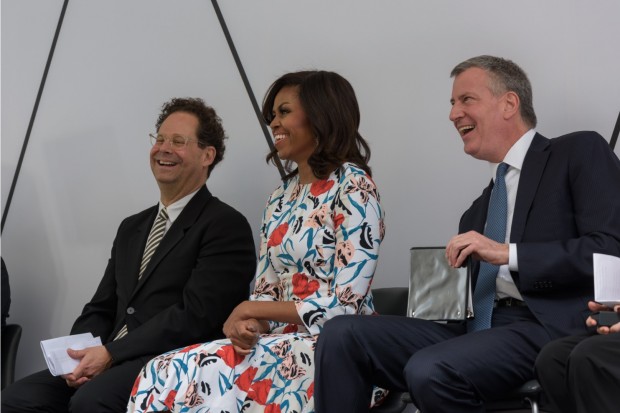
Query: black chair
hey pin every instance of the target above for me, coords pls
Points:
(11, 335)
(393, 301)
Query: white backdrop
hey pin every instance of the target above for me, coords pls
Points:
(117, 61)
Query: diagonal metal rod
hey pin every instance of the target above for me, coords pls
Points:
(615, 133)
(33, 115)
(246, 83)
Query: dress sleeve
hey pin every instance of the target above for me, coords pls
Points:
(358, 230)
(267, 284)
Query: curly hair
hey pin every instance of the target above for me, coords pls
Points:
(505, 75)
(210, 131)
(331, 108)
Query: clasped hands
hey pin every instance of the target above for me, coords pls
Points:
(478, 246)
(93, 361)
(242, 330)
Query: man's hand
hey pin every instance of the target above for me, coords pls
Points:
(478, 246)
(590, 322)
(93, 361)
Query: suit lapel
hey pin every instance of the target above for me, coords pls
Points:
(177, 231)
(531, 172)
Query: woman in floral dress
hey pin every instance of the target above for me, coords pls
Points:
(320, 240)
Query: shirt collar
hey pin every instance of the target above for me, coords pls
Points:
(175, 209)
(516, 155)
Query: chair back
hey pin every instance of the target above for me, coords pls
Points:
(11, 335)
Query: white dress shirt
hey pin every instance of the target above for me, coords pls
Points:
(505, 286)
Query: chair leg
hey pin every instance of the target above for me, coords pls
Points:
(533, 404)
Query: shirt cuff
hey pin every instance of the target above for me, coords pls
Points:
(513, 264)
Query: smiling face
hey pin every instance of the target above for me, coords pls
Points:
(291, 130)
(480, 116)
(180, 171)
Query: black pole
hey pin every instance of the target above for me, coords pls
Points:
(246, 83)
(33, 115)
(615, 133)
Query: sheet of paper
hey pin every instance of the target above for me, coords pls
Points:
(606, 279)
(55, 351)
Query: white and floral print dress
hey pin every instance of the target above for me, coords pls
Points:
(319, 248)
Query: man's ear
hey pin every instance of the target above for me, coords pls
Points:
(208, 155)
(512, 103)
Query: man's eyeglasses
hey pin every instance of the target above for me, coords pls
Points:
(176, 141)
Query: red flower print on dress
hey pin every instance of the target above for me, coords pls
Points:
(188, 348)
(303, 288)
(229, 356)
(290, 328)
(317, 218)
(134, 390)
(320, 187)
(260, 390)
(344, 253)
(311, 391)
(273, 408)
(277, 235)
(244, 381)
(191, 396)
(169, 402)
(338, 219)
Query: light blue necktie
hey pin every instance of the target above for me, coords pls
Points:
(484, 292)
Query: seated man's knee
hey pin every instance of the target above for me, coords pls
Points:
(583, 357)
(338, 329)
(90, 399)
(423, 371)
(82, 402)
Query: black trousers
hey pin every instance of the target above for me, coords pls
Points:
(443, 368)
(582, 373)
(42, 392)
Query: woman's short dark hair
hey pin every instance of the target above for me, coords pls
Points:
(210, 131)
(332, 111)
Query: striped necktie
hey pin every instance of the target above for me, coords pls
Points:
(157, 233)
(152, 242)
(484, 292)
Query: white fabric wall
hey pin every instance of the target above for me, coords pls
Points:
(117, 61)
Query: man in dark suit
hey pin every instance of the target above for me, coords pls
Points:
(157, 293)
(560, 203)
(581, 374)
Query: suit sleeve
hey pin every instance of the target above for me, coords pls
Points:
(592, 213)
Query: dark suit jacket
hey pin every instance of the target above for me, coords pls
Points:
(198, 274)
(567, 208)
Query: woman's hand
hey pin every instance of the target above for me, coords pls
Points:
(249, 320)
(242, 329)
(244, 335)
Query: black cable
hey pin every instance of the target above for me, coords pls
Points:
(33, 115)
(246, 83)
(615, 133)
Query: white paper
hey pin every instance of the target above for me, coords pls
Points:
(55, 351)
(606, 279)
